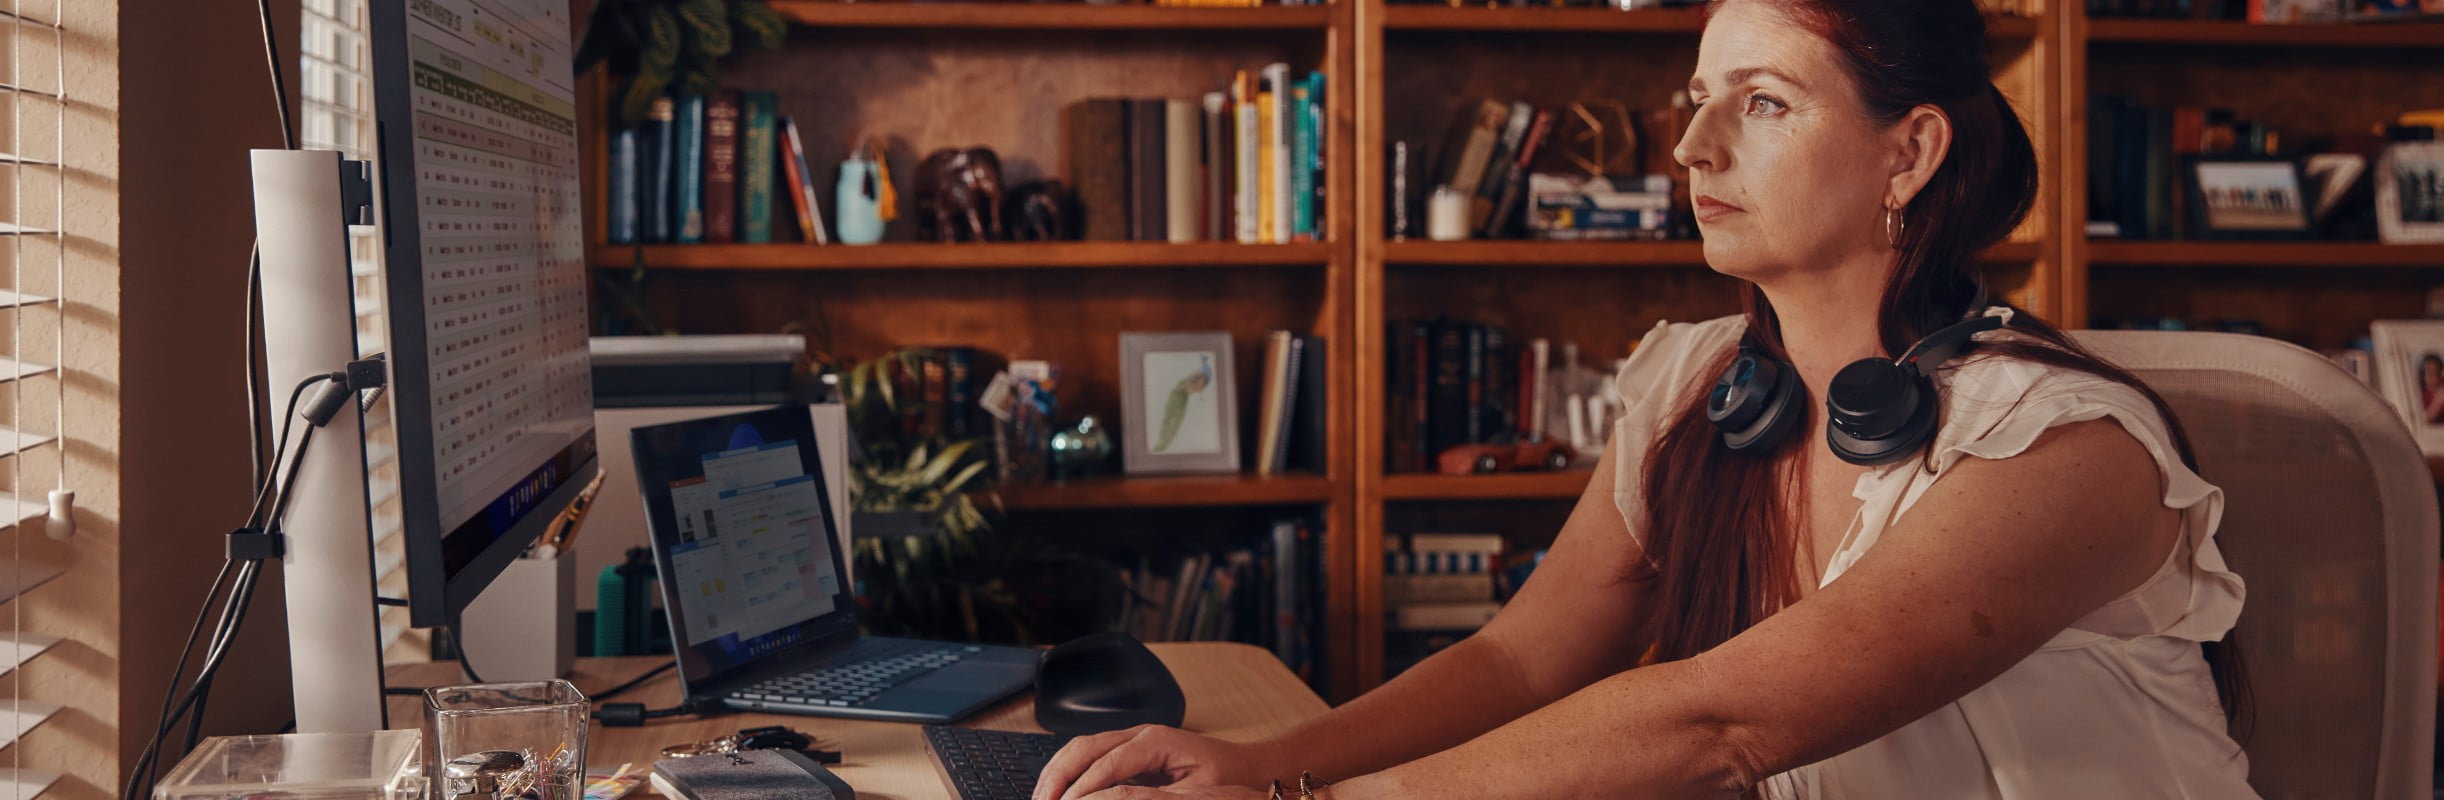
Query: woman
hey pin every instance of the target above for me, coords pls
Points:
(2015, 610)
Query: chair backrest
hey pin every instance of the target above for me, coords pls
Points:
(2330, 516)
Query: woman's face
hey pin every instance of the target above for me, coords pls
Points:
(1787, 171)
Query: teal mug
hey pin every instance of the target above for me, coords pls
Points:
(861, 217)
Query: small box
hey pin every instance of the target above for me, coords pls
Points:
(306, 766)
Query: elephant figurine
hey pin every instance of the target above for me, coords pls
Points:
(1043, 211)
(959, 196)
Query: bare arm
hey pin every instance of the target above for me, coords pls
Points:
(1997, 558)
(1580, 619)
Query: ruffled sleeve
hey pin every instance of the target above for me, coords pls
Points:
(1997, 409)
(1652, 385)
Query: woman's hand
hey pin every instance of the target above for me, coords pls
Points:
(1149, 755)
(1181, 792)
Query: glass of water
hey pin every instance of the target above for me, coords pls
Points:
(506, 740)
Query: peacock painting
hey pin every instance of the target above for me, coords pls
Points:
(1188, 389)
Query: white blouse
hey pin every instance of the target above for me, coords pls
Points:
(2120, 705)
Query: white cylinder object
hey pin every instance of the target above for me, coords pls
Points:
(1447, 215)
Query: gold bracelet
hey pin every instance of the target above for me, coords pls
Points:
(1307, 784)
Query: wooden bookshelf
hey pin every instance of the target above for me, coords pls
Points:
(1562, 485)
(1181, 491)
(2241, 34)
(991, 255)
(1532, 253)
(1047, 16)
(2301, 255)
(1543, 20)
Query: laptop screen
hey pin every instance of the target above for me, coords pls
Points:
(742, 537)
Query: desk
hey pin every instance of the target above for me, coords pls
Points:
(1235, 692)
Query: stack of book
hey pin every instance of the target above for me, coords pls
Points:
(717, 169)
(1456, 382)
(1244, 164)
(1547, 173)
(1290, 429)
(1234, 3)
(1577, 207)
(939, 390)
(1270, 595)
(1437, 589)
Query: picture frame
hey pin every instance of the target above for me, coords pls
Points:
(2409, 356)
(2245, 197)
(1178, 403)
(2410, 193)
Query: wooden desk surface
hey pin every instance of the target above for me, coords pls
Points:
(1235, 692)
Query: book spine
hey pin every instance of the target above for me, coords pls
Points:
(1279, 121)
(1320, 211)
(1149, 193)
(654, 139)
(1097, 138)
(757, 149)
(1302, 153)
(1268, 155)
(721, 168)
(1182, 192)
(1472, 410)
(1217, 169)
(1269, 413)
(622, 219)
(1449, 410)
(1541, 354)
(1507, 217)
(1423, 365)
(801, 185)
(1292, 348)
(1497, 164)
(687, 154)
(1307, 445)
(1399, 206)
(1243, 186)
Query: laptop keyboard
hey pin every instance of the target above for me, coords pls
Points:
(992, 765)
(857, 673)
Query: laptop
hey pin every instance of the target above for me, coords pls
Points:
(757, 592)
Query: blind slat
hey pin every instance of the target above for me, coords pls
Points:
(25, 784)
(20, 647)
(23, 718)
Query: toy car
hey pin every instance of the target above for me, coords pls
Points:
(1469, 459)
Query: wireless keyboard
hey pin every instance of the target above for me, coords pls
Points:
(990, 765)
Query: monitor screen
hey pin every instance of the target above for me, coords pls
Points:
(485, 266)
(742, 532)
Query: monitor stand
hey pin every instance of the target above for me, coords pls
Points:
(304, 203)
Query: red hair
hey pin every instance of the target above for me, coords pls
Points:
(1717, 528)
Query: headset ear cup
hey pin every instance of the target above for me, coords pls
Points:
(1912, 434)
(1765, 415)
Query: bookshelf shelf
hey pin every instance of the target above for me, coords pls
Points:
(1531, 253)
(1183, 491)
(1507, 486)
(997, 255)
(2224, 34)
(2303, 255)
(1048, 16)
(1598, 20)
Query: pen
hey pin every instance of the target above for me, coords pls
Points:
(563, 529)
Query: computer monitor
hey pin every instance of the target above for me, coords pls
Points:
(484, 267)
(475, 192)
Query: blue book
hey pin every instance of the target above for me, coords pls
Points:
(1302, 153)
(623, 188)
(687, 164)
(1315, 167)
(654, 147)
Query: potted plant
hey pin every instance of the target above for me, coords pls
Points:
(658, 46)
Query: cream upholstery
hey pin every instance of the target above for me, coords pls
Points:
(2331, 518)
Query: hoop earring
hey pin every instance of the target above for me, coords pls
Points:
(1896, 225)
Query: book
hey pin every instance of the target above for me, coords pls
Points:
(1148, 153)
(1182, 193)
(801, 185)
(1277, 119)
(1307, 447)
(654, 141)
(1470, 146)
(1403, 196)
(1447, 390)
(621, 218)
(687, 158)
(1508, 214)
(1272, 401)
(1217, 169)
(1540, 384)
(1096, 136)
(1319, 210)
(1497, 164)
(721, 168)
(1268, 154)
(1243, 184)
(758, 149)
(1302, 153)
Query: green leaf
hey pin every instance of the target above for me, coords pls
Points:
(660, 50)
(708, 23)
(637, 100)
(758, 23)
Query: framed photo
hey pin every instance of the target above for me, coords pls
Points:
(2410, 193)
(2245, 197)
(1178, 403)
(2409, 359)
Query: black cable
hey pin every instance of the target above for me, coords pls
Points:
(288, 425)
(169, 694)
(616, 691)
(280, 86)
(459, 644)
(254, 404)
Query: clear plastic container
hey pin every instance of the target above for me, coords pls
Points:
(299, 766)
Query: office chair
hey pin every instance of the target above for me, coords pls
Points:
(2330, 516)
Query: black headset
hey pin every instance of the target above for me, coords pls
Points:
(1876, 411)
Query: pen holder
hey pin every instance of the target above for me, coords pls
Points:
(524, 626)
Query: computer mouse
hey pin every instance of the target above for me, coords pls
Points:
(1105, 682)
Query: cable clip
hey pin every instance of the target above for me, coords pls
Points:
(254, 544)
